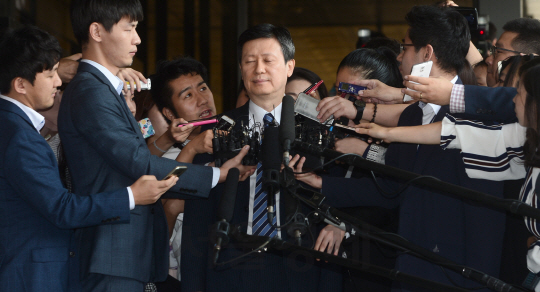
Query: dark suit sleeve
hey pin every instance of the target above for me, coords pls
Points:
(33, 173)
(112, 135)
(490, 104)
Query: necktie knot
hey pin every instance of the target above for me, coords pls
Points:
(268, 119)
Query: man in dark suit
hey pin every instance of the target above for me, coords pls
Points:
(451, 227)
(105, 148)
(266, 60)
(37, 244)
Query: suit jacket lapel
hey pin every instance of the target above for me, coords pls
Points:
(85, 67)
(11, 107)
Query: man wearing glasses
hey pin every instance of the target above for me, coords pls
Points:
(520, 36)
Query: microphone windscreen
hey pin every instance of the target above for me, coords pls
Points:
(271, 150)
(287, 125)
(228, 198)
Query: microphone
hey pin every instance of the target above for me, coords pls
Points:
(225, 210)
(297, 226)
(271, 165)
(287, 127)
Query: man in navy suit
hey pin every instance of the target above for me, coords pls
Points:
(451, 227)
(105, 149)
(266, 59)
(37, 244)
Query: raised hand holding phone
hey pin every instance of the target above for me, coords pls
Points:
(421, 70)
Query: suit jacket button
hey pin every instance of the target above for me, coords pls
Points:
(478, 111)
(71, 254)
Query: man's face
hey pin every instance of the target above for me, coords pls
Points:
(192, 99)
(409, 57)
(264, 70)
(40, 96)
(504, 42)
(120, 44)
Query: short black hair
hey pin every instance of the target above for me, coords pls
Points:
(528, 39)
(168, 71)
(445, 29)
(266, 30)
(378, 64)
(300, 73)
(107, 12)
(24, 52)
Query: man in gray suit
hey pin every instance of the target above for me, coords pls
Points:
(105, 149)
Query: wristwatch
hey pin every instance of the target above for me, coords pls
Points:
(360, 106)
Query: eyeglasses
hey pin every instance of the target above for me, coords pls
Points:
(401, 47)
(494, 50)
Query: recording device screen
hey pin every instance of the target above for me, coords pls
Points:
(350, 88)
(307, 106)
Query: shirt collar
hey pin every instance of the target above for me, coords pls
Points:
(256, 112)
(114, 80)
(38, 121)
(437, 107)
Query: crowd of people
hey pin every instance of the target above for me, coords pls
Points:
(88, 204)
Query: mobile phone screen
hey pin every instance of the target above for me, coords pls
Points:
(177, 171)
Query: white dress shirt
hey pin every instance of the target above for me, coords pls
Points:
(38, 121)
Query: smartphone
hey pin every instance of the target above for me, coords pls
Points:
(195, 124)
(346, 128)
(420, 70)
(225, 123)
(177, 171)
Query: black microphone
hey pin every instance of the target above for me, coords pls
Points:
(225, 210)
(271, 164)
(297, 226)
(287, 127)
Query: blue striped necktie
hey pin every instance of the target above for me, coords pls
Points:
(261, 225)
